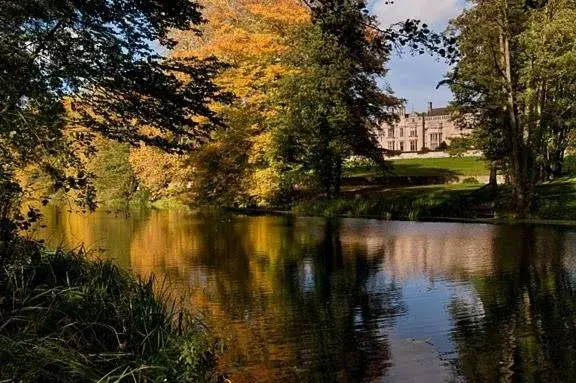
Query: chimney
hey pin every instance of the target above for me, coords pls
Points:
(430, 107)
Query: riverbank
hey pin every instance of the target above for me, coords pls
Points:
(439, 189)
(67, 317)
(554, 203)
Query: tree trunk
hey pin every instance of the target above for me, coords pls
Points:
(493, 181)
(337, 178)
(556, 165)
(519, 160)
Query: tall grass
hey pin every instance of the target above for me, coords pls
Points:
(65, 318)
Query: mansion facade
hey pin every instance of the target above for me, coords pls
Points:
(417, 131)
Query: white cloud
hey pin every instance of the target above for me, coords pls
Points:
(415, 77)
(432, 12)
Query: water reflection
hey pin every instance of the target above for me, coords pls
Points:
(356, 300)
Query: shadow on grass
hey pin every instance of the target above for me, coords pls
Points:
(418, 175)
(555, 201)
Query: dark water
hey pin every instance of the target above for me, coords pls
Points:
(359, 300)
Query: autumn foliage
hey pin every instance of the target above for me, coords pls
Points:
(252, 36)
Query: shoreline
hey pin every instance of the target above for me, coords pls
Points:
(488, 221)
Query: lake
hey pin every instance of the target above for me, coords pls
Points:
(352, 300)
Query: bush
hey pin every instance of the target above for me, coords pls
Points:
(470, 180)
(442, 147)
(357, 163)
(569, 165)
(438, 203)
(64, 318)
(114, 176)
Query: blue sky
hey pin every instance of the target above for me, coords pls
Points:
(415, 77)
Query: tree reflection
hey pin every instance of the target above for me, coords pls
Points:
(297, 306)
(525, 330)
(303, 299)
(336, 320)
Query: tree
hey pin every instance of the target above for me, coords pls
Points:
(159, 174)
(321, 122)
(335, 104)
(98, 58)
(114, 178)
(251, 36)
(514, 77)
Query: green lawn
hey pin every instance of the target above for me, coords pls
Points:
(552, 201)
(556, 200)
(451, 166)
(461, 166)
(416, 191)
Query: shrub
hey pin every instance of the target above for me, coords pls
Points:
(114, 176)
(64, 318)
(359, 163)
(470, 180)
(569, 165)
(442, 147)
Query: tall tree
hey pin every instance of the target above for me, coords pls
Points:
(336, 102)
(514, 76)
(332, 109)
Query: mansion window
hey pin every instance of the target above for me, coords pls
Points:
(401, 144)
(413, 133)
(401, 132)
(391, 145)
(391, 133)
(413, 145)
(435, 140)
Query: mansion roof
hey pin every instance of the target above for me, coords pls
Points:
(438, 112)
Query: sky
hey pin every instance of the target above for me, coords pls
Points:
(415, 77)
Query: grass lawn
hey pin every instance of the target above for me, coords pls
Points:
(451, 166)
(456, 200)
(370, 192)
(461, 166)
(415, 191)
(556, 200)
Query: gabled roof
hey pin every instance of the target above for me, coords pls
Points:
(438, 112)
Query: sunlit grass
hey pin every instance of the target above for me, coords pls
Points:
(457, 166)
(462, 166)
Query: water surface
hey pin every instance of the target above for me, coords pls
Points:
(351, 300)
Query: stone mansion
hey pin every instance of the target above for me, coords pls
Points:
(415, 131)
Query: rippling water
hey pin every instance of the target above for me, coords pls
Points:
(305, 299)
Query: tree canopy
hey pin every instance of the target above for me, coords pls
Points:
(515, 77)
(102, 57)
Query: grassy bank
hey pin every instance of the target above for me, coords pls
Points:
(462, 166)
(552, 201)
(410, 203)
(555, 200)
(65, 318)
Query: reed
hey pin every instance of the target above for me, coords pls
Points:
(67, 318)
